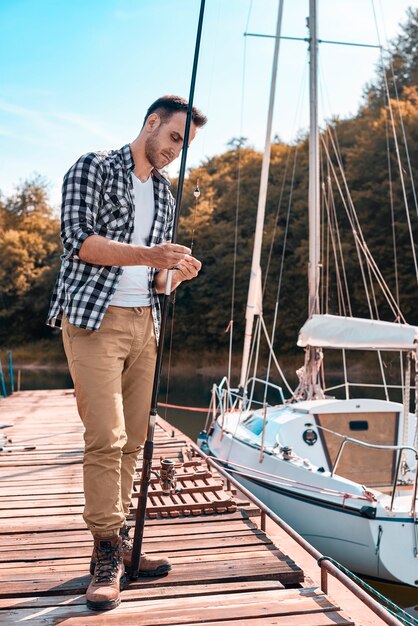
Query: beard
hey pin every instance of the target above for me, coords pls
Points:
(153, 153)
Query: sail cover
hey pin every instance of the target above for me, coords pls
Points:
(354, 333)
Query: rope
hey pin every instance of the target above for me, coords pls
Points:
(288, 482)
(390, 606)
(183, 408)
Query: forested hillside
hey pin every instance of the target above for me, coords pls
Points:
(224, 217)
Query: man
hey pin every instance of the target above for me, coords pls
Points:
(117, 219)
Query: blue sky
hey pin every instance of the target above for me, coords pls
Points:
(78, 76)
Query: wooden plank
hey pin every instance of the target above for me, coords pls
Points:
(147, 593)
(311, 619)
(47, 550)
(157, 528)
(74, 558)
(198, 609)
(217, 571)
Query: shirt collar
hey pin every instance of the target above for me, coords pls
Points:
(159, 176)
(127, 158)
(129, 164)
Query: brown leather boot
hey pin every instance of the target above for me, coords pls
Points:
(103, 592)
(148, 565)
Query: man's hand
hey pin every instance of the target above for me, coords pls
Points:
(167, 256)
(186, 269)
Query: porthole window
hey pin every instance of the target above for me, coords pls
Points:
(359, 425)
(310, 437)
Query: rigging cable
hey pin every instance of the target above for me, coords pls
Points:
(401, 118)
(276, 306)
(349, 208)
(270, 340)
(331, 131)
(388, 101)
(230, 327)
(332, 229)
(395, 138)
(359, 238)
(369, 291)
(296, 124)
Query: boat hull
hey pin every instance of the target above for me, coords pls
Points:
(381, 548)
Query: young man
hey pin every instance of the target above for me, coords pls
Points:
(117, 218)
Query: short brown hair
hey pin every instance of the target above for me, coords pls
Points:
(166, 106)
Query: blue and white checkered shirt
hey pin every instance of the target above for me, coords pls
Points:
(97, 199)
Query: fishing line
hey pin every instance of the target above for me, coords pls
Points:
(196, 195)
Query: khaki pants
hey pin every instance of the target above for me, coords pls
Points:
(113, 372)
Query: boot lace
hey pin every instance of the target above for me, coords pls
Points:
(127, 542)
(108, 563)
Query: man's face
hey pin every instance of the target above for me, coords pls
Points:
(165, 139)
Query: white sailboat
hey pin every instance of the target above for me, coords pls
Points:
(317, 461)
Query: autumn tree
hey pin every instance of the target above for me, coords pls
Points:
(29, 258)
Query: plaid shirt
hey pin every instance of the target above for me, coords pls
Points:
(97, 199)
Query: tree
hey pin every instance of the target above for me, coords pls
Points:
(29, 259)
(400, 65)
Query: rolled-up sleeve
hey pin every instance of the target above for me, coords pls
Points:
(80, 203)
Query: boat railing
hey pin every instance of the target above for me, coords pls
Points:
(347, 385)
(228, 398)
(325, 563)
(251, 382)
(376, 446)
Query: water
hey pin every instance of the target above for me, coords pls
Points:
(194, 390)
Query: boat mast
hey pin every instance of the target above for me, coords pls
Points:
(309, 387)
(254, 300)
(314, 202)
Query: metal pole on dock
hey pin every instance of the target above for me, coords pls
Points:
(11, 376)
(2, 382)
(149, 444)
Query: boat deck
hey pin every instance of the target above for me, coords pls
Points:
(225, 569)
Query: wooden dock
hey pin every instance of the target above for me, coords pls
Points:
(225, 569)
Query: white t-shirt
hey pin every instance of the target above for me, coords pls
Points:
(132, 289)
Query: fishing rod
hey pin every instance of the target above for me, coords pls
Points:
(166, 465)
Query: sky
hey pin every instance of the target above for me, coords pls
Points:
(77, 76)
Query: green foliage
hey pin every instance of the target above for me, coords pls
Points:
(29, 260)
(399, 68)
